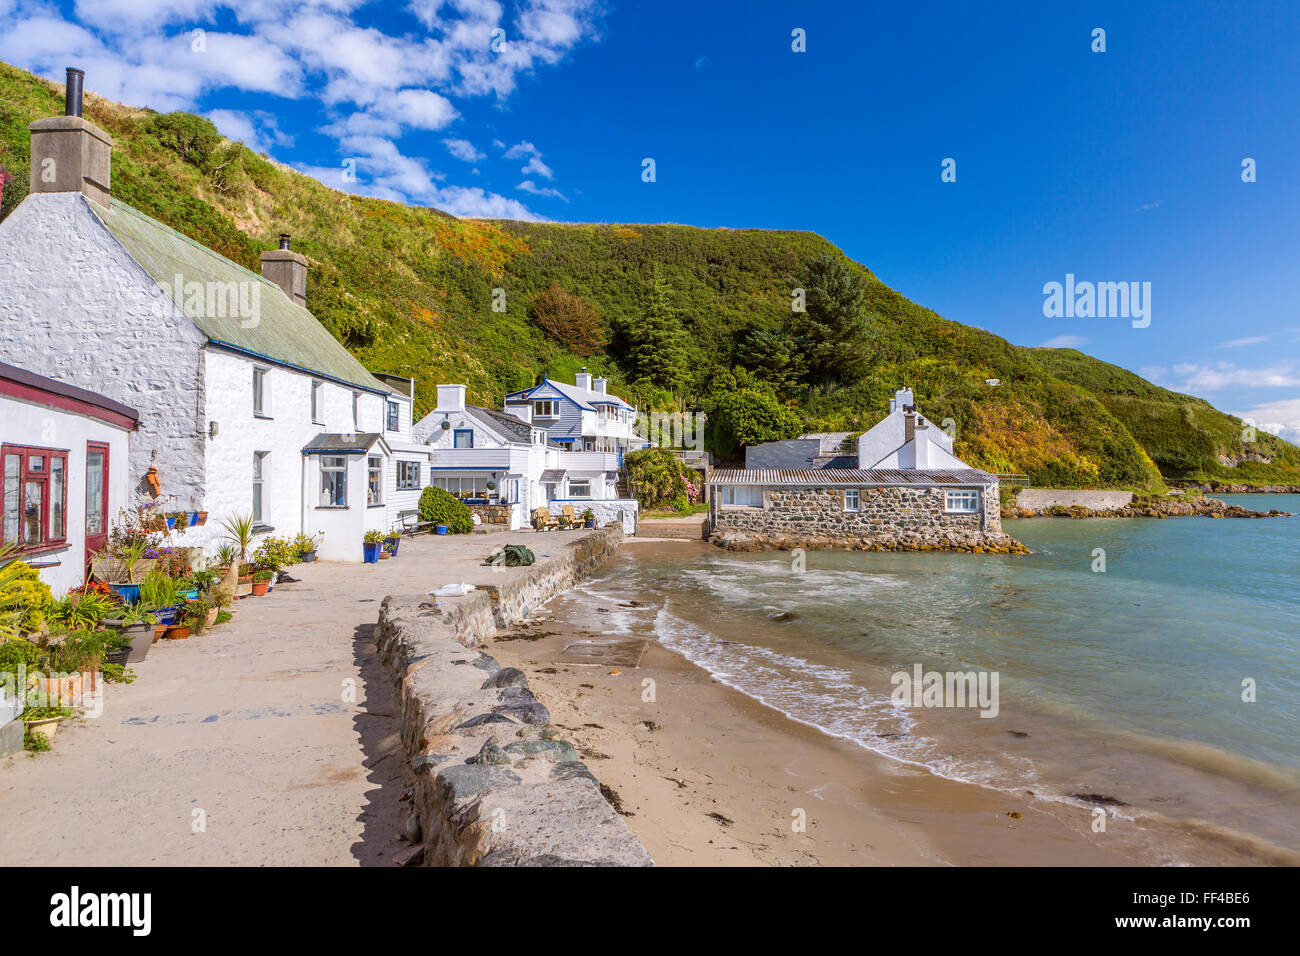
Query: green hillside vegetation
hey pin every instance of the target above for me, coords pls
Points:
(677, 317)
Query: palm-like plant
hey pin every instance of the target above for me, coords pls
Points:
(240, 529)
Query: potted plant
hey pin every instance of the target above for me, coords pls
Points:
(200, 518)
(261, 581)
(158, 595)
(372, 544)
(224, 558)
(137, 626)
(244, 586)
(44, 720)
(117, 648)
(589, 518)
(240, 529)
(305, 546)
(391, 541)
(194, 616)
(129, 555)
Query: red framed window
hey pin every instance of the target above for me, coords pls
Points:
(33, 497)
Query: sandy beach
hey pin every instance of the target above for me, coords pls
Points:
(707, 776)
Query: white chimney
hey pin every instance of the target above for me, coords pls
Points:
(69, 154)
(451, 398)
(598, 385)
(922, 443)
(583, 380)
(902, 399)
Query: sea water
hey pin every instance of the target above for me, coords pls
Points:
(1149, 666)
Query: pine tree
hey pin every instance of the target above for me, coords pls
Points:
(659, 351)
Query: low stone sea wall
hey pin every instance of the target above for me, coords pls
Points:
(1037, 499)
(495, 783)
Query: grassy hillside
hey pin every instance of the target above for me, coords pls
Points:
(411, 291)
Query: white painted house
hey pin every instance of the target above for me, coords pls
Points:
(63, 472)
(504, 458)
(247, 403)
(906, 439)
(579, 417)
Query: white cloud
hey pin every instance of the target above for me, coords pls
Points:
(259, 130)
(377, 84)
(1238, 343)
(1209, 377)
(534, 166)
(529, 186)
(463, 149)
(1064, 342)
(1148, 206)
(1280, 418)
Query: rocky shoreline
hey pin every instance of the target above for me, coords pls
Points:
(1221, 488)
(970, 542)
(1173, 507)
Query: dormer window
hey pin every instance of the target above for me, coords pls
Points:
(546, 408)
(463, 438)
(394, 417)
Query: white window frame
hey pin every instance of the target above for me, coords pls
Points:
(259, 485)
(374, 481)
(393, 417)
(552, 408)
(356, 411)
(584, 484)
(740, 496)
(317, 390)
(853, 500)
(408, 475)
(261, 392)
(956, 501)
(327, 466)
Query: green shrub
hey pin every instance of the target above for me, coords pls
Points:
(441, 507)
(23, 599)
(276, 553)
(657, 477)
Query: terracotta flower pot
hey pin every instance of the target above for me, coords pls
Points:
(178, 632)
(203, 518)
(158, 631)
(261, 587)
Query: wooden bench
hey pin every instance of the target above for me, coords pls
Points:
(412, 525)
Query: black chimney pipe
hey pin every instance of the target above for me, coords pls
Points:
(72, 93)
(284, 240)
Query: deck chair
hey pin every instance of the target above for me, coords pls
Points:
(568, 518)
(542, 520)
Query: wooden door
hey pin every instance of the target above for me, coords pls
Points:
(97, 516)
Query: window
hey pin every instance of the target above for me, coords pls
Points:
(962, 502)
(259, 472)
(317, 402)
(852, 499)
(408, 475)
(747, 496)
(580, 489)
(548, 408)
(469, 486)
(333, 481)
(356, 411)
(260, 403)
(374, 480)
(33, 498)
(464, 438)
(394, 417)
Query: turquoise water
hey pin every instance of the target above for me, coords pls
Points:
(1126, 682)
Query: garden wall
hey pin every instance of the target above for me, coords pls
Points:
(1036, 499)
(495, 783)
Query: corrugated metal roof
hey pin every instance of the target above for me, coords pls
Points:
(821, 477)
(552, 474)
(283, 332)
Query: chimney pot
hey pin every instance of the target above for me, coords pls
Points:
(72, 91)
(284, 240)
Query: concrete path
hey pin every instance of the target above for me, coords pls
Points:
(268, 740)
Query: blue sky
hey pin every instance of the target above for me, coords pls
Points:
(1123, 165)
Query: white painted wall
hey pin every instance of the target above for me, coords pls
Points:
(77, 308)
(886, 437)
(24, 423)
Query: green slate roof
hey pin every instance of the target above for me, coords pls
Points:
(285, 332)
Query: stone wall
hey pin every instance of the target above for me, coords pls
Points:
(492, 514)
(1036, 499)
(889, 519)
(495, 783)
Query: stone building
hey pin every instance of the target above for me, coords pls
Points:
(904, 490)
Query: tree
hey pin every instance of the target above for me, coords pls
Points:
(569, 320)
(833, 333)
(658, 350)
(775, 355)
(750, 415)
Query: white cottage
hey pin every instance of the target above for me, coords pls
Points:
(247, 403)
(63, 461)
(496, 459)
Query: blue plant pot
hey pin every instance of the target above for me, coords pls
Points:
(194, 518)
(130, 592)
(188, 595)
(166, 615)
(171, 522)
(440, 529)
(391, 544)
(371, 551)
